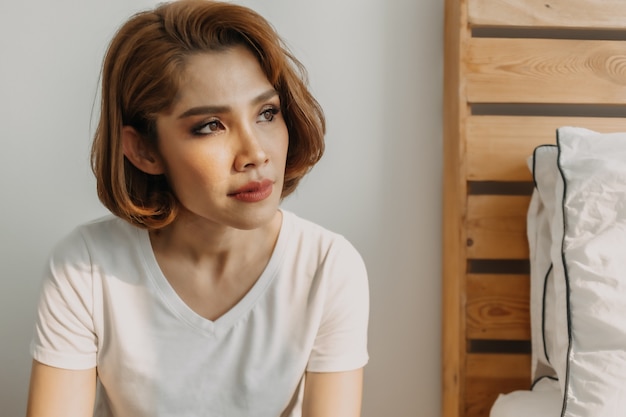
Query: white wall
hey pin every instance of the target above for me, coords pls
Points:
(376, 68)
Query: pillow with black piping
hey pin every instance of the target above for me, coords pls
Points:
(540, 213)
(544, 399)
(589, 261)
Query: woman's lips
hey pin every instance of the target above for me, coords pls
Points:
(253, 191)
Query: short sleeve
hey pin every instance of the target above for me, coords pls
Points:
(64, 335)
(341, 342)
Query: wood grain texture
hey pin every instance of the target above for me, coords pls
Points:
(496, 227)
(498, 307)
(455, 188)
(546, 71)
(574, 14)
(496, 365)
(510, 140)
(491, 374)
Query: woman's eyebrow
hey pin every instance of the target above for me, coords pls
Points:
(264, 96)
(200, 110)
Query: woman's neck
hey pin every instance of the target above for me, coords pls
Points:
(189, 239)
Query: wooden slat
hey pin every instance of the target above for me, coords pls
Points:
(575, 14)
(489, 375)
(509, 140)
(498, 366)
(496, 227)
(498, 307)
(546, 71)
(455, 112)
(482, 393)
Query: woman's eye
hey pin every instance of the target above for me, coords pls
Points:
(208, 128)
(268, 114)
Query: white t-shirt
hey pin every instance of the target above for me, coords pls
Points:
(105, 303)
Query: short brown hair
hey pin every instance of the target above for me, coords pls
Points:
(141, 77)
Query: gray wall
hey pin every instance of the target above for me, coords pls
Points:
(376, 67)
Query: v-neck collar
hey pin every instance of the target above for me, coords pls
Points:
(222, 324)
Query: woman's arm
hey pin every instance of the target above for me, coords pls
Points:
(58, 392)
(333, 394)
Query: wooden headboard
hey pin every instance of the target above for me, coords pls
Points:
(515, 70)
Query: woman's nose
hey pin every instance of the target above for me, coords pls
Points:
(250, 152)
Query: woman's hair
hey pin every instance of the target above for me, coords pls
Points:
(141, 75)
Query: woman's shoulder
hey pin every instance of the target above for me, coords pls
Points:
(304, 229)
(310, 237)
(103, 233)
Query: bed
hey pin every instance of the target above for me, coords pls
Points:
(515, 72)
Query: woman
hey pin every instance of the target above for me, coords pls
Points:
(201, 297)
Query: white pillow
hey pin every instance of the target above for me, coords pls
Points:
(544, 400)
(540, 213)
(589, 259)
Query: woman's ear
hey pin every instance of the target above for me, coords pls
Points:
(140, 153)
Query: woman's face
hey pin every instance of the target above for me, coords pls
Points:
(224, 141)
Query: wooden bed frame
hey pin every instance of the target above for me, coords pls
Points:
(515, 70)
